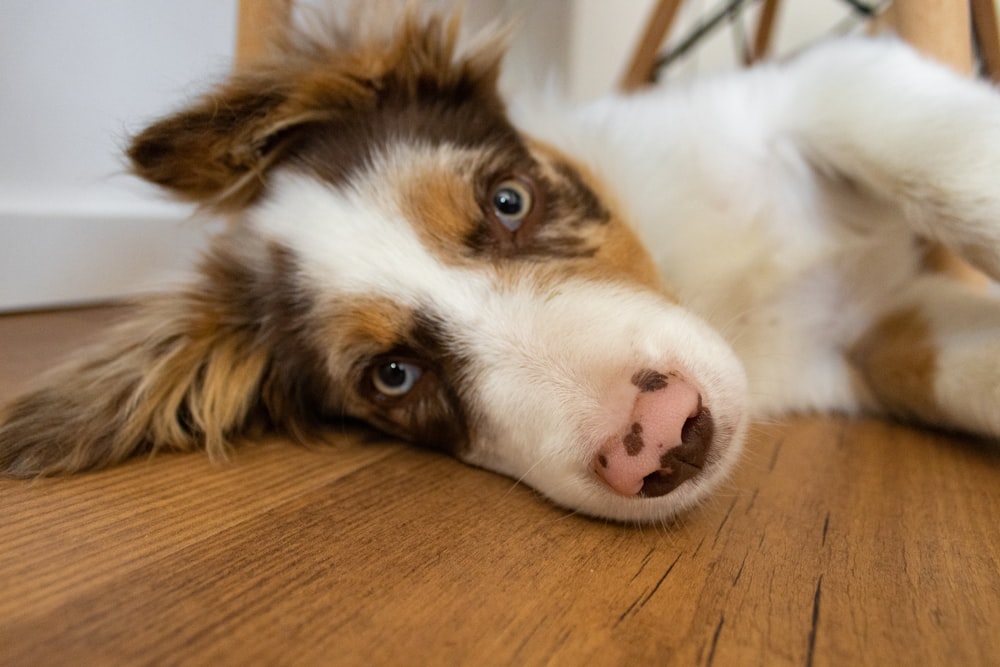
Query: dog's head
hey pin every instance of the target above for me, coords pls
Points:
(402, 254)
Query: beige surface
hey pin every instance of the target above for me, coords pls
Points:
(258, 22)
(837, 543)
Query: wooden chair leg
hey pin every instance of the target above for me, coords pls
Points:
(765, 29)
(640, 68)
(984, 24)
(257, 21)
(939, 28)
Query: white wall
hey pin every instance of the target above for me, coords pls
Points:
(76, 76)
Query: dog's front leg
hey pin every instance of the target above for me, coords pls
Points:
(876, 115)
(935, 357)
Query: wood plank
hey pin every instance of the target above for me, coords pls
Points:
(837, 542)
(31, 343)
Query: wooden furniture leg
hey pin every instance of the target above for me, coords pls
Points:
(640, 69)
(984, 24)
(765, 30)
(257, 20)
(641, 66)
(939, 28)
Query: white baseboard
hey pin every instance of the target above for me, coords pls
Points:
(61, 259)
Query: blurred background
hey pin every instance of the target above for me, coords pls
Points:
(76, 78)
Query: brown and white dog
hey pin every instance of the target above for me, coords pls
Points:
(595, 301)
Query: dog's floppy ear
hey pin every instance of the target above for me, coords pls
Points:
(149, 386)
(197, 369)
(217, 151)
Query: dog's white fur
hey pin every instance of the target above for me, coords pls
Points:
(782, 206)
(780, 203)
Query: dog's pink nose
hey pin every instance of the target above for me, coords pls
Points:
(666, 442)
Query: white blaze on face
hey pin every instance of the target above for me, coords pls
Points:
(546, 379)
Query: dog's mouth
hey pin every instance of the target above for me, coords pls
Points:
(681, 463)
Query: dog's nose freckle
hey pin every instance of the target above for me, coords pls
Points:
(649, 380)
(633, 441)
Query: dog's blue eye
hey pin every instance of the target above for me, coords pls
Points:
(511, 203)
(395, 378)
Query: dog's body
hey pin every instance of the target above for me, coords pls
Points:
(405, 256)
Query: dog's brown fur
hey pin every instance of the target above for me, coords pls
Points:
(192, 371)
(200, 368)
(898, 362)
(216, 152)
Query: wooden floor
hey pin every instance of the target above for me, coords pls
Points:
(836, 543)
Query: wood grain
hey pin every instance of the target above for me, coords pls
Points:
(837, 542)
